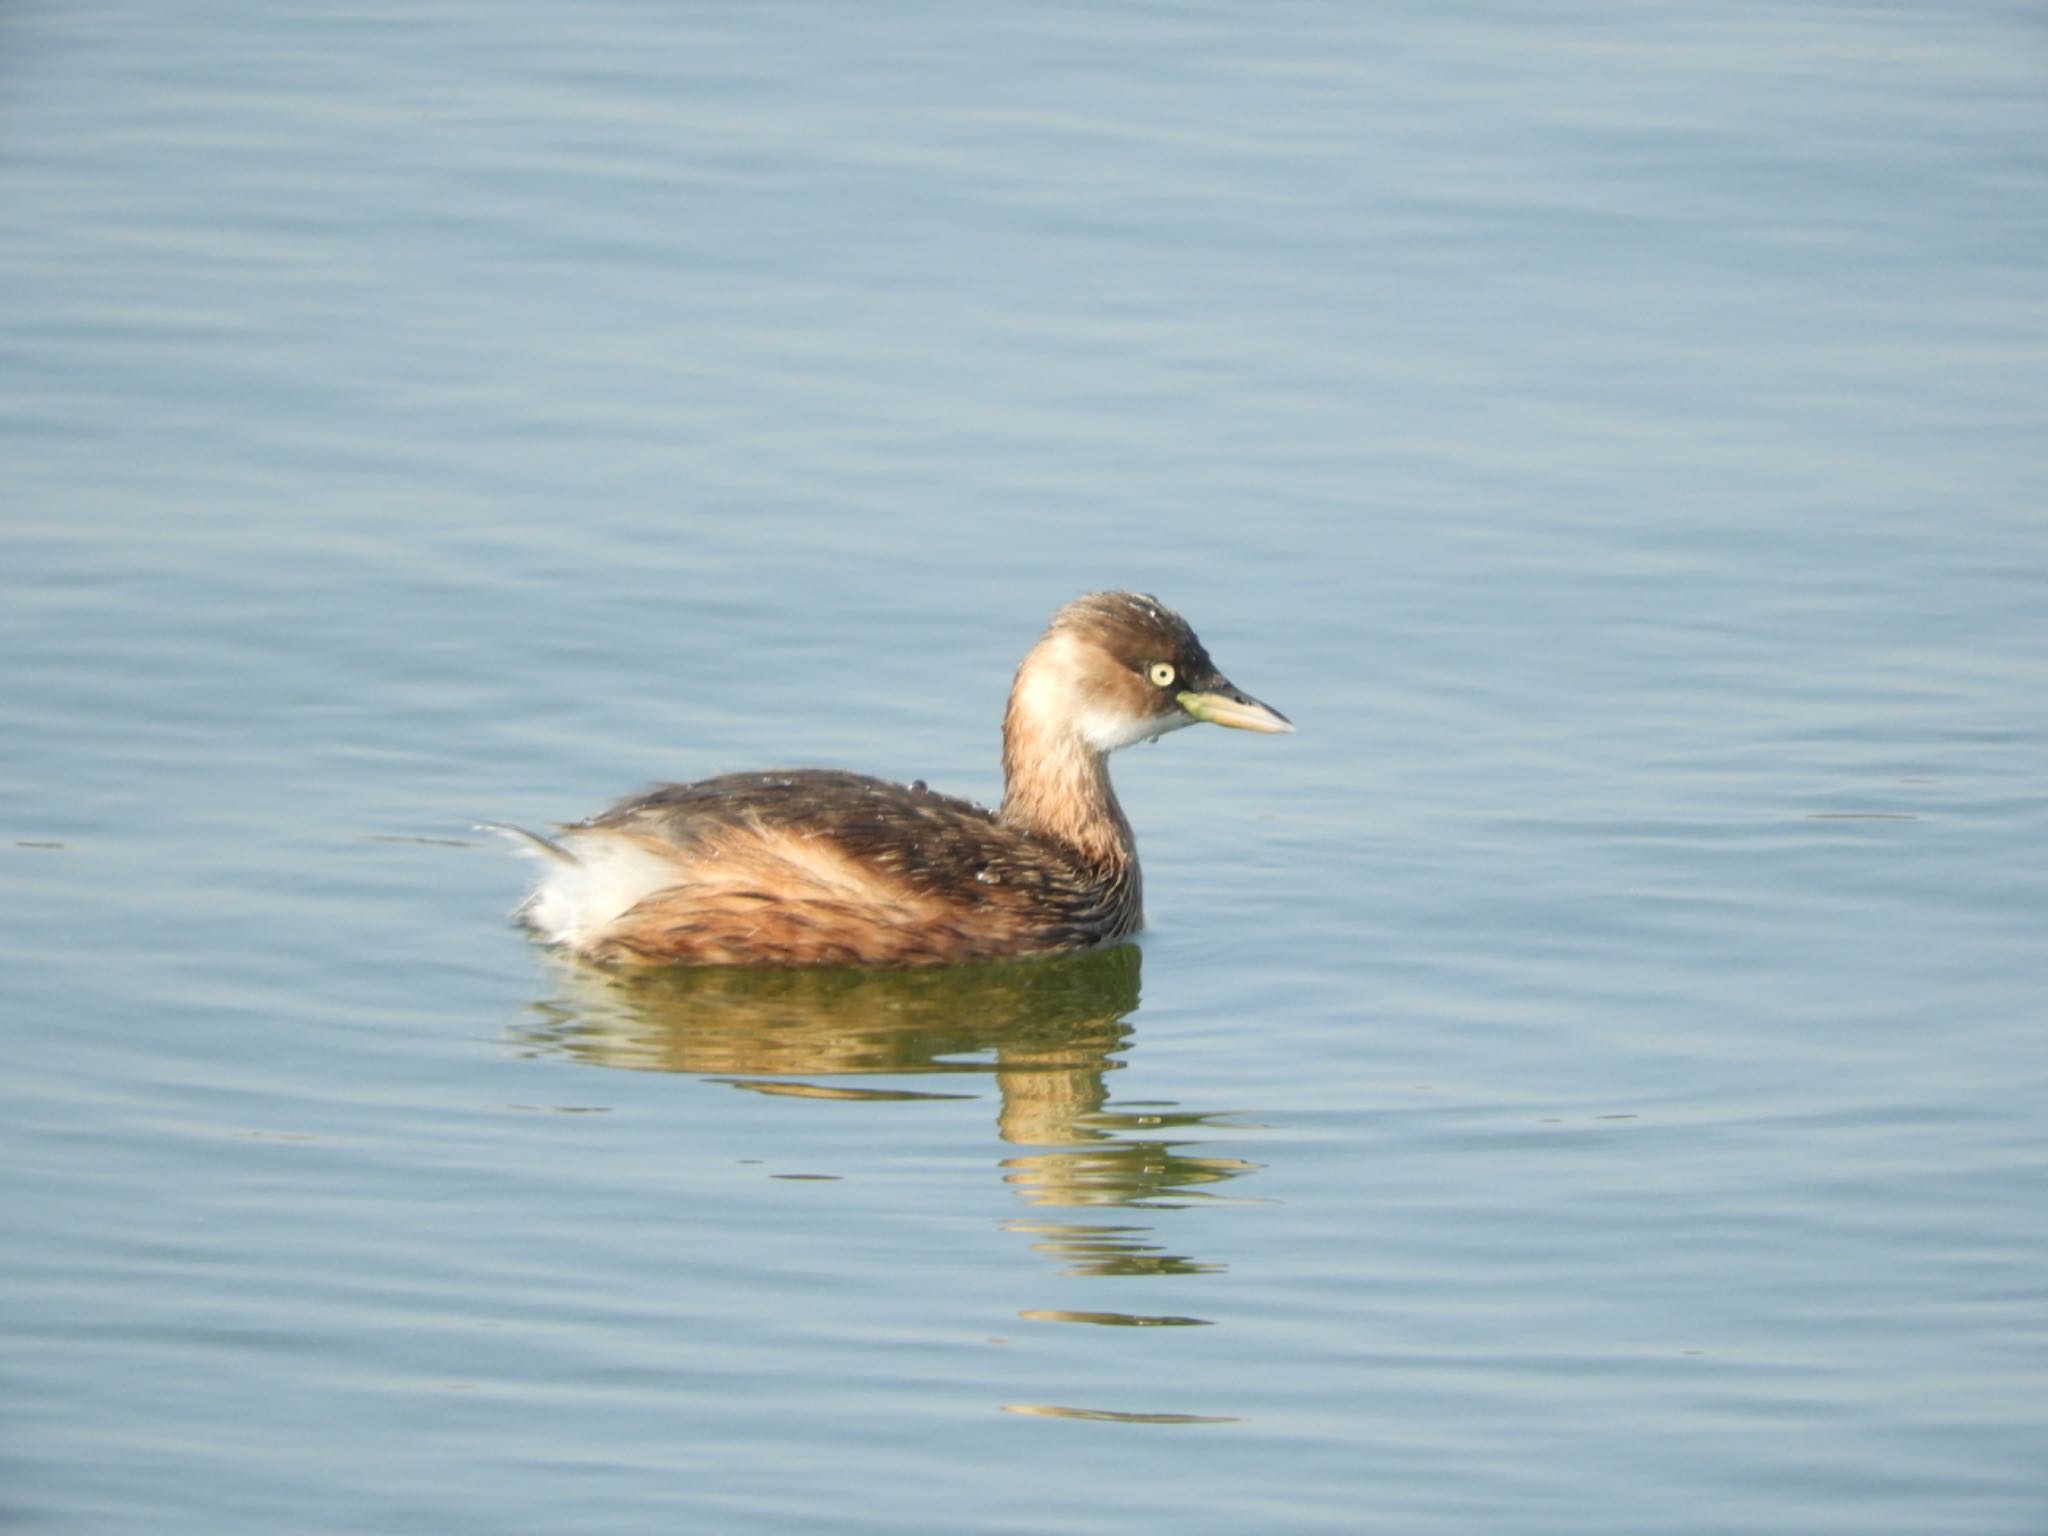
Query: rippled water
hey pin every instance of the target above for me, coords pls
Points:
(1588, 1080)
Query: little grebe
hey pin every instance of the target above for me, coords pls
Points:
(817, 867)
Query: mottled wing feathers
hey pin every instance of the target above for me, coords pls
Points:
(814, 866)
(885, 819)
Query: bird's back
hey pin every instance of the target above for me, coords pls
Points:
(813, 866)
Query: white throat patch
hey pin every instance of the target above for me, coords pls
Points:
(1107, 731)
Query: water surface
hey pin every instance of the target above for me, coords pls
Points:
(1588, 1080)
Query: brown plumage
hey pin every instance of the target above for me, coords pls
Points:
(819, 867)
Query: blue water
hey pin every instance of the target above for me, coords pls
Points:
(1588, 1080)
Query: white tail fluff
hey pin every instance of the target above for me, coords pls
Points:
(588, 881)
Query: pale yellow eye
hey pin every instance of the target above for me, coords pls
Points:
(1161, 674)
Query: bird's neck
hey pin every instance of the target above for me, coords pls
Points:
(1057, 786)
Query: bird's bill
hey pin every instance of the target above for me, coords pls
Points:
(1223, 704)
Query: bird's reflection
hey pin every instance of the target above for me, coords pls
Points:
(1049, 1031)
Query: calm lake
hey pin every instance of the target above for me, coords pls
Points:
(1589, 1080)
